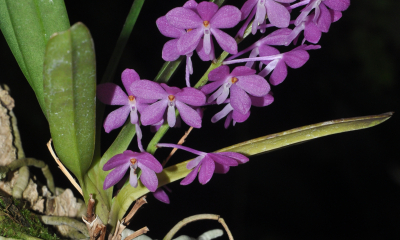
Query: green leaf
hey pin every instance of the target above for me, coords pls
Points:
(27, 26)
(128, 194)
(70, 93)
(96, 174)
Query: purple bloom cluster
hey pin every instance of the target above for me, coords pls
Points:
(193, 27)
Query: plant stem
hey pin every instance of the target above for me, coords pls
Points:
(122, 40)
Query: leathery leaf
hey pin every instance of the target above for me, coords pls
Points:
(70, 93)
(264, 144)
(27, 26)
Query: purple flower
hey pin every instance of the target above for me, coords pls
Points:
(170, 49)
(295, 58)
(241, 82)
(129, 159)
(276, 38)
(235, 116)
(170, 97)
(112, 94)
(278, 14)
(161, 195)
(208, 163)
(204, 22)
(322, 16)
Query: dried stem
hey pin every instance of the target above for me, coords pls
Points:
(63, 169)
(181, 141)
(193, 218)
(90, 216)
(134, 209)
(139, 232)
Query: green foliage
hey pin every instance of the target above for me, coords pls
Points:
(27, 26)
(264, 144)
(70, 93)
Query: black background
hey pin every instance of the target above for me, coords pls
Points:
(344, 186)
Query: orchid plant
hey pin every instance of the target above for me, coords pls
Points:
(58, 60)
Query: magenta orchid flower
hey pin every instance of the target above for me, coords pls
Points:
(241, 83)
(202, 23)
(235, 116)
(170, 49)
(295, 58)
(208, 163)
(322, 16)
(133, 160)
(170, 97)
(277, 13)
(276, 38)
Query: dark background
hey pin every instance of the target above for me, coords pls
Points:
(344, 186)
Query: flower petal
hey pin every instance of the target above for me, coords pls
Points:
(221, 114)
(228, 120)
(202, 54)
(254, 85)
(191, 176)
(154, 113)
(167, 29)
(191, 96)
(207, 10)
(296, 58)
(226, 17)
(161, 196)
(171, 117)
(116, 118)
(237, 156)
(338, 5)
(192, 164)
(226, 42)
(189, 41)
(279, 74)
(240, 101)
(312, 33)
(325, 19)
(221, 159)
(147, 89)
(148, 178)
(189, 115)
(134, 116)
(111, 94)
(115, 176)
(277, 37)
(247, 7)
(150, 161)
(220, 73)
(206, 170)
(133, 177)
(262, 101)
(242, 71)
(221, 169)
(278, 15)
(238, 117)
(170, 50)
(211, 87)
(184, 18)
(129, 76)
(117, 160)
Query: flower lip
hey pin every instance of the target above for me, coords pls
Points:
(234, 80)
(206, 23)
